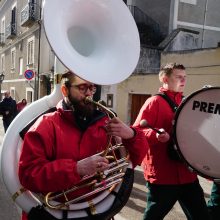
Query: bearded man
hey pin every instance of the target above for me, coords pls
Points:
(61, 147)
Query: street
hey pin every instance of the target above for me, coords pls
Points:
(132, 211)
(135, 207)
(8, 210)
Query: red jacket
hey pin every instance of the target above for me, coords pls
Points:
(54, 144)
(20, 106)
(158, 167)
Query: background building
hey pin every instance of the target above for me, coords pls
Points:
(24, 47)
(174, 31)
(170, 30)
(202, 66)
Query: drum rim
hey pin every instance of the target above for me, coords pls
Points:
(177, 146)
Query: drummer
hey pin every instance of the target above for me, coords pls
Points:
(168, 178)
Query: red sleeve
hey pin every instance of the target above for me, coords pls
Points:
(137, 147)
(149, 112)
(38, 171)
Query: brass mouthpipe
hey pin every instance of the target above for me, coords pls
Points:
(104, 108)
(110, 114)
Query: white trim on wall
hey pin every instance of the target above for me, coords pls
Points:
(192, 2)
(2, 62)
(30, 50)
(175, 13)
(211, 28)
(14, 6)
(13, 58)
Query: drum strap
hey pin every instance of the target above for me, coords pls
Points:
(169, 101)
(172, 153)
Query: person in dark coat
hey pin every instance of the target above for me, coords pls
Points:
(214, 202)
(8, 110)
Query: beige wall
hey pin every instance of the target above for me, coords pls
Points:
(141, 84)
(203, 68)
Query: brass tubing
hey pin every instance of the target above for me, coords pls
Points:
(107, 110)
(100, 181)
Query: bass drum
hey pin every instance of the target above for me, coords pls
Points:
(196, 132)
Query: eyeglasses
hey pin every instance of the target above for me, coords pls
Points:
(83, 88)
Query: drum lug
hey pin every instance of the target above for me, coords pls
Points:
(216, 180)
(191, 169)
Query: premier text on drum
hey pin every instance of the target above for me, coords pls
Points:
(208, 107)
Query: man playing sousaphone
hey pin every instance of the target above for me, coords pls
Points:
(61, 147)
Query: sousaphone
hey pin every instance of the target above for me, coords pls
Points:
(97, 40)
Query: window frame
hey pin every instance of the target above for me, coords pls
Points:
(30, 51)
(13, 58)
(3, 62)
(21, 65)
(3, 28)
(192, 2)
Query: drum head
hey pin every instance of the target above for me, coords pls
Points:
(197, 131)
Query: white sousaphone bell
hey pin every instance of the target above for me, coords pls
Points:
(97, 40)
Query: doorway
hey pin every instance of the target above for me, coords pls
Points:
(137, 100)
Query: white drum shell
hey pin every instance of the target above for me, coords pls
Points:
(197, 132)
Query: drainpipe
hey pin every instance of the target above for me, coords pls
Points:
(204, 23)
(37, 78)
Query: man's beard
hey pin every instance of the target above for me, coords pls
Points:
(81, 108)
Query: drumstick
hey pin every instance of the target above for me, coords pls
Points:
(144, 123)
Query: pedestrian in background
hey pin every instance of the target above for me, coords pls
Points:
(214, 202)
(21, 105)
(168, 178)
(8, 110)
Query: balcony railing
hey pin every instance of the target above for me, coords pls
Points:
(2, 39)
(149, 29)
(29, 14)
(10, 31)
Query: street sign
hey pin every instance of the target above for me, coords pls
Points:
(29, 74)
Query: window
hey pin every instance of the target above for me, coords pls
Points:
(3, 63)
(30, 51)
(12, 92)
(13, 15)
(192, 2)
(13, 19)
(21, 61)
(3, 25)
(3, 30)
(13, 58)
(29, 95)
(109, 100)
(32, 1)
